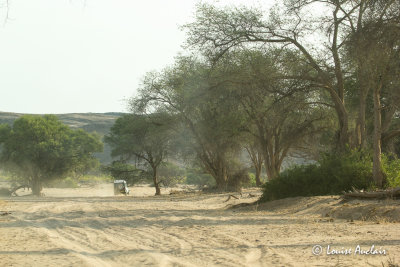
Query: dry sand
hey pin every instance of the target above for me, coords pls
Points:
(90, 227)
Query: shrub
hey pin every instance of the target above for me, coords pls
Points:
(391, 168)
(333, 174)
(252, 180)
(197, 177)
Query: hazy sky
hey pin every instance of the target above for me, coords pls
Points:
(65, 56)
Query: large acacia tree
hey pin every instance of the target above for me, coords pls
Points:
(189, 91)
(322, 39)
(376, 49)
(280, 113)
(242, 99)
(39, 149)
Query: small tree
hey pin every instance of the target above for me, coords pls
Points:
(39, 149)
(144, 138)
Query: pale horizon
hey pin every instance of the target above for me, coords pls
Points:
(64, 56)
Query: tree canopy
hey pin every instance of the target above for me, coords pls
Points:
(39, 149)
(350, 51)
(259, 88)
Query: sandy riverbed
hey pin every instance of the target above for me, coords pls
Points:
(90, 227)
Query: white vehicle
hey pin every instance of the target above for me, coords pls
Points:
(120, 187)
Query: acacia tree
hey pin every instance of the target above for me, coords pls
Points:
(39, 149)
(216, 31)
(279, 113)
(377, 49)
(188, 91)
(145, 138)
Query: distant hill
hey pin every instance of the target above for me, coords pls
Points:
(90, 122)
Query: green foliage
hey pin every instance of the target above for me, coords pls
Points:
(391, 168)
(84, 145)
(332, 175)
(252, 180)
(142, 137)
(171, 174)
(99, 123)
(204, 106)
(120, 170)
(5, 131)
(145, 138)
(41, 148)
(196, 176)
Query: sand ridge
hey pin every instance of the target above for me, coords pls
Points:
(182, 230)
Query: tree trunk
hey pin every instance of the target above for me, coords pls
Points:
(36, 186)
(377, 167)
(361, 119)
(258, 174)
(221, 179)
(269, 159)
(257, 160)
(271, 169)
(343, 119)
(155, 180)
(343, 139)
(217, 169)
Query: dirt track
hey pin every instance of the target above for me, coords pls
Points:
(178, 230)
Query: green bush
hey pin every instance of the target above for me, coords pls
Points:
(195, 176)
(252, 180)
(332, 175)
(391, 168)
